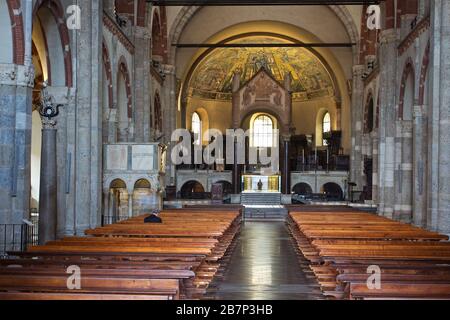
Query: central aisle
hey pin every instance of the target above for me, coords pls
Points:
(265, 266)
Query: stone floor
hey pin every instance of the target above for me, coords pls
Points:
(265, 266)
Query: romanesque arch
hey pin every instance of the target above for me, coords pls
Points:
(423, 75)
(56, 10)
(108, 81)
(159, 35)
(405, 88)
(17, 31)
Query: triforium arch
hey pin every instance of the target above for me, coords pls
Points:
(123, 70)
(159, 34)
(424, 75)
(408, 75)
(108, 70)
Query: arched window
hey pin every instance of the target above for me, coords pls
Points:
(263, 132)
(197, 128)
(326, 126)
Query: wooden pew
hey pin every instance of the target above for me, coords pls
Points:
(188, 248)
(340, 246)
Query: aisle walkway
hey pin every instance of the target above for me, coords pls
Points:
(265, 266)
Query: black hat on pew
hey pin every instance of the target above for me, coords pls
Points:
(153, 218)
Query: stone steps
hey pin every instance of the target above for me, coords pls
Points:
(257, 198)
(265, 213)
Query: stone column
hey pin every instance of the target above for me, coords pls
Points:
(404, 167)
(236, 171)
(88, 120)
(419, 164)
(142, 84)
(356, 162)
(169, 117)
(112, 125)
(106, 202)
(48, 184)
(130, 203)
(16, 83)
(375, 142)
(285, 185)
(112, 203)
(387, 130)
(63, 96)
(439, 124)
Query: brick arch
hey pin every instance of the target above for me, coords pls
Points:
(108, 69)
(17, 31)
(141, 13)
(159, 34)
(57, 10)
(368, 39)
(408, 7)
(123, 68)
(407, 71)
(389, 13)
(47, 55)
(423, 73)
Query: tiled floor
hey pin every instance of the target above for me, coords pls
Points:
(265, 266)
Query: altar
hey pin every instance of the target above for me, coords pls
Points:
(260, 183)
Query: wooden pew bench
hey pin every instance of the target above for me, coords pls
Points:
(90, 284)
(340, 246)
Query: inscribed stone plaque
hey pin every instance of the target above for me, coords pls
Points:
(143, 157)
(117, 157)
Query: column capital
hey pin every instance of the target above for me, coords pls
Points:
(142, 33)
(48, 124)
(419, 111)
(17, 75)
(358, 69)
(374, 134)
(112, 115)
(169, 69)
(388, 36)
(286, 137)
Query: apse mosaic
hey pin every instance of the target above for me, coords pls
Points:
(213, 77)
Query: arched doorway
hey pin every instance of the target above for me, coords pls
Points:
(192, 190)
(227, 187)
(333, 191)
(302, 189)
(143, 197)
(119, 202)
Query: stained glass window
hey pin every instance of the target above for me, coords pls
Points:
(197, 128)
(263, 132)
(326, 126)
